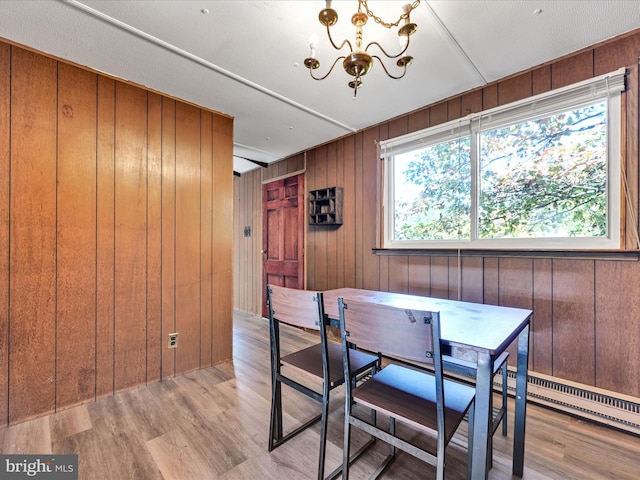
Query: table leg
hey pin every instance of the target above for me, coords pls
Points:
(481, 430)
(521, 402)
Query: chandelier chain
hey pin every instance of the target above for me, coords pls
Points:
(379, 21)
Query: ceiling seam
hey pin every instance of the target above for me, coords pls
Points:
(455, 43)
(254, 149)
(200, 61)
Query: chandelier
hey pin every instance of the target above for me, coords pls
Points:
(359, 61)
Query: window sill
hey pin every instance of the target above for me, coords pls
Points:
(628, 255)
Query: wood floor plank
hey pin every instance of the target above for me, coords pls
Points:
(176, 458)
(32, 436)
(213, 424)
(104, 454)
(70, 422)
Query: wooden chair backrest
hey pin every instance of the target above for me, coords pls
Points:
(299, 308)
(403, 333)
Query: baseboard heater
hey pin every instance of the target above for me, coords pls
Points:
(599, 405)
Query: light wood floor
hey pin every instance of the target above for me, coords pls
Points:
(213, 424)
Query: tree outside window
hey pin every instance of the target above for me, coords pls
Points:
(542, 173)
(545, 177)
(540, 178)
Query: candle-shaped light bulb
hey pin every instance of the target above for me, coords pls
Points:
(313, 45)
(406, 9)
(407, 29)
(403, 40)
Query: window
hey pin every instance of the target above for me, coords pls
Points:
(542, 173)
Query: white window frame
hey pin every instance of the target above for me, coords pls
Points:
(605, 87)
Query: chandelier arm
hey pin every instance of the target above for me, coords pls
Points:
(345, 41)
(329, 72)
(406, 47)
(404, 71)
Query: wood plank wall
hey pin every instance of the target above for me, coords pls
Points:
(586, 311)
(109, 239)
(247, 257)
(5, 149)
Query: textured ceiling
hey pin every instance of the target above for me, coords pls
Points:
(245, 58)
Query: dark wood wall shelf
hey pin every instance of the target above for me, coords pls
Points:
(325, 206)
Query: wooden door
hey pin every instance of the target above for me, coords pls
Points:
(283, 234)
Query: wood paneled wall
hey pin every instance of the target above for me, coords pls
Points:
(109, 237)
(247, 257)
(586, 325)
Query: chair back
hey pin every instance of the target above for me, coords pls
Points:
(299, 308)
(402, 389)
(404, 333)
(321, 360)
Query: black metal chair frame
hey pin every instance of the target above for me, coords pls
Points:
(405, 394)
(305, 309)
(469, 369)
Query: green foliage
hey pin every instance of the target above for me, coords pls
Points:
(441, 210)
(540, 178)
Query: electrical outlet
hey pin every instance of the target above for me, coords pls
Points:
(173, 340)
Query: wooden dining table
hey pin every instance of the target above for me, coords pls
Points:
(484, 330)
